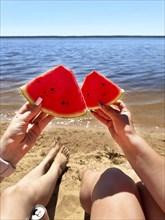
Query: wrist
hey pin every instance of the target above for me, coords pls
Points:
(6, 169)
(129, 140)
(134, 146)
(6, 150)
(6, 165)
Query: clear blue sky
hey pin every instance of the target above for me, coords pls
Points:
(86, 17)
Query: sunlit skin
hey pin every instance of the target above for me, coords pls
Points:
(147, 164)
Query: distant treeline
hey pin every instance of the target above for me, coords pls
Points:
(86, 36)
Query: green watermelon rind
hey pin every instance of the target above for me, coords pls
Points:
(77, 114)
(109, 103)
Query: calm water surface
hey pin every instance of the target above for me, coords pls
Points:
(136, 64)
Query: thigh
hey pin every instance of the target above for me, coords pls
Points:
(16, 202)
(89, 179)
(151, 209)
(115, 196)
(110, 194)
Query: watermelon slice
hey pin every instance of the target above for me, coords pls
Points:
(97, 88)
(60, 92)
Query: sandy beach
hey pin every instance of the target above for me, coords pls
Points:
(89, 146)
(123, 41)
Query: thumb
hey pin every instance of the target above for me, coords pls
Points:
(33, 111)
(110, 111)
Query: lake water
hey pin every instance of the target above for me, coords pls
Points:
(136, 64)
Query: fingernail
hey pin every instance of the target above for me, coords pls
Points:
(101, 104)
(38, 101)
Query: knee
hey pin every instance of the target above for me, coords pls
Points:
(16, 191)
(112, 181)
(89, 177)
(116, 178)
(97, 185)
(9, 194)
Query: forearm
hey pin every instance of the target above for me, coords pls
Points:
(149, 166)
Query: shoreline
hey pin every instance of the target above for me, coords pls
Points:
(147, 110)
(85, 36)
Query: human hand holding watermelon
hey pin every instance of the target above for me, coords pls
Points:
(97, 88)
(23, 131)
(60, 92)
(117, 118)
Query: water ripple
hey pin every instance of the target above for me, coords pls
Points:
(134, 64)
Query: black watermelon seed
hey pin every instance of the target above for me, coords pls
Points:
(52, 89)
(62, 103)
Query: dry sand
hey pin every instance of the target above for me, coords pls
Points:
(89, 146)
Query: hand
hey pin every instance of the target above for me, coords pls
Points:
(23, 132)
(118, 120)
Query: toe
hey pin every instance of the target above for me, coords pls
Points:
(65, 151)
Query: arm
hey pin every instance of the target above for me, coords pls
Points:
(23, 132)
(145, 161)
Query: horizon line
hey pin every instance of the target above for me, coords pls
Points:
(76, 36)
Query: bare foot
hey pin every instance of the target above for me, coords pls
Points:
(48, 160)
(61, 159)
(55, 147)
(44, 166)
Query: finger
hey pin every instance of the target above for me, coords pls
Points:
(101, 113)
(100, 118)
(36, 128)
(24, 108)
(121, 105)
(39, 118)
(31, 113)
(109, 110)
(46, 121)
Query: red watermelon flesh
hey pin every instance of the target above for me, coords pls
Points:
(60, 92)
(97, 88)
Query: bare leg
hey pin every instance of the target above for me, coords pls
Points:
(110, 195)
(151, 210)
(45, 185)
(17, 201)
(43, 167)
